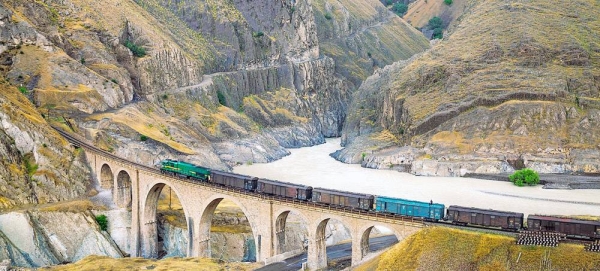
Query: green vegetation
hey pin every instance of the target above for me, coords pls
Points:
(143, 138)
(114, 81)
(30, 164)
(82, 60)
(137, 50)
(448, 2)
(328, 16)
(221, 98)
(400, 8)
(437, 25)
(525, 176)
(23, 90)
(257, 34)
(389, 2)
(102, 222)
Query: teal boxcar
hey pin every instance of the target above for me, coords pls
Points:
(183, 168)
(433, 211)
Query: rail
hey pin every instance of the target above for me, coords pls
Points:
(306, 205)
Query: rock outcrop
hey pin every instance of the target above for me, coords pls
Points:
(485, 103)
(35, 239)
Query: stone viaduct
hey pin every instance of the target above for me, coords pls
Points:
(138, 187)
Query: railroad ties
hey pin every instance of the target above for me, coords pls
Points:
(594, 247)
(540, 238)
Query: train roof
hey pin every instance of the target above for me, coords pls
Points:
(563, 219)
(413, 202)
(484, 211)
(182, 163)
(283, 183)
(231, 174)
(339, 192)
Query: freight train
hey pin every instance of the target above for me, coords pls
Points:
(429, 211)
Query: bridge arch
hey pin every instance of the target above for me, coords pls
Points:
(364, 236)
(319, 245)
(149, 226)
(107, 178)
(123, 191)
(208, 210)
(280, 225)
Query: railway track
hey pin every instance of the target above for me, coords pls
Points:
(372, 215)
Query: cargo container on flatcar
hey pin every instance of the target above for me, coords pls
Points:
(342, 198)
(283, 189)
(486, 218)
(247, 183)
(183, 168)
(569, 226)
(427, 210)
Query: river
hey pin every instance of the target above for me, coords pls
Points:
(313, 166)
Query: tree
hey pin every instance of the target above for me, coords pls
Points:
(525, 176)
(436, 22)
(448, 2)
(400, 8)
(437, 25)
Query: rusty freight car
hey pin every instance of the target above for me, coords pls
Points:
(569, 226)
(283, 189)
(343, 199)
(486, 218)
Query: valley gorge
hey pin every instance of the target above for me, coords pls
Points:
(512, 84)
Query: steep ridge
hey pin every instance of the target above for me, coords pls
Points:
(514, 84)
(362, 35)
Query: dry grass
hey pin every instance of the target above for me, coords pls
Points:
(76, 206)
(499, 48)
(149, 124)
(106, 263)
(462, 250)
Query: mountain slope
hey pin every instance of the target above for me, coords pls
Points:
(514, 83)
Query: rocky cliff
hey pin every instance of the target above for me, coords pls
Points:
(35, 239)
(38, 165)
(513, 85)
(216, 83)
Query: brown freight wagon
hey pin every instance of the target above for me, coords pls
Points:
(283, 189)
(247, 183)
(568, 226)
(486, 218)
(343, 199)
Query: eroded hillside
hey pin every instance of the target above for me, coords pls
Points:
(515, 84)
(212, 82)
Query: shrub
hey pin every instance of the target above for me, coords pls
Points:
(389, 2)
(221, 98)
(114, 81)
(82, 60)
(448, 2)
(102, 222)
(137, 50)
(400, 8)
(143, 137)
(257, 34)
(525, 176)
(23, 90)
(328, 16)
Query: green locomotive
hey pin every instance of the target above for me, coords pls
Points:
(185, 169)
